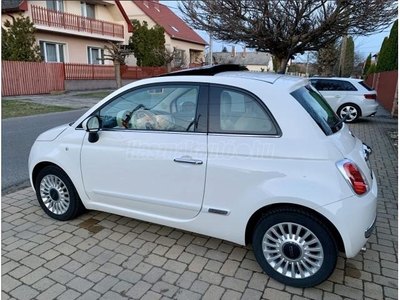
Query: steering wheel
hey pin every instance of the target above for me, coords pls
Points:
(144, 119)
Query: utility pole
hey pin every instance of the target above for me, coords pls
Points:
(211, 40)
(308, 60)
(342, 55)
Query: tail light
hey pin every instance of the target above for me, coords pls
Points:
(370, 96)
(354, 177)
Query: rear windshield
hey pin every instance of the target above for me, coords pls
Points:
(318, 109)
(366, 85)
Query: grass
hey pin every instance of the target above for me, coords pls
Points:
(19, 108)
(93, 95)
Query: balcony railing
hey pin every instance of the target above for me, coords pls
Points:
(58, 19)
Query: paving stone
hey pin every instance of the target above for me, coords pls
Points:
(61, 276)
(57, 262)
(143, 268)
(20, 272)
(156, 260)
(196, 250)
(258, 281)
(86, 269)
(164, 288)
(186, 280)
(105, 284)
(34, 276)
(110, 295)
(348, 292)
(8, 283)
(199, 287)
(96, 276)
(52, 292)
(198, 264)
(214, 292)
(89, 295)
(138, 290)
(174, 252)
(154, 275)
(32, 261)
(232, 295)
(185, 295)
(213, 265)
(122, 287)
(43, 284)
(170, 277)
(175, 266)
(234, 284)
(210, 277)
(80, 284)
(275, 294)
(24, 292)
(229, 267)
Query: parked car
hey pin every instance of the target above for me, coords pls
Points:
(252, 158)
(347, 96)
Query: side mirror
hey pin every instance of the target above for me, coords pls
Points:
(92, 125)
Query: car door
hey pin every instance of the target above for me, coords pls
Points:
(151, 155)
(241, 141)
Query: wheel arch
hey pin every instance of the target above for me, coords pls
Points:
(251, 224)
(40, 166)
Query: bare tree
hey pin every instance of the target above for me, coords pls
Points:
(117, 54)
(285, 28)
(173, 57)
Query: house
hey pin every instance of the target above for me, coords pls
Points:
(189, 47)
(254, 61)
(73, 31)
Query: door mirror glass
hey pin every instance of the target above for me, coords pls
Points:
(92, 124)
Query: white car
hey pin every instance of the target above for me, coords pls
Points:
(243, 156)
(347, 96)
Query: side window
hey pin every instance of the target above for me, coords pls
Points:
(161, 107)
(233, 111)
(347, 86)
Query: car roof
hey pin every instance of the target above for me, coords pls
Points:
(239, 71)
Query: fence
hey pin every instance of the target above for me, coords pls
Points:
(30, 78)
(385, 84)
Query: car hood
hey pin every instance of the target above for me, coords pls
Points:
(52, 134)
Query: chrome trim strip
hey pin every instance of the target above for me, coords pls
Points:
(368, 231)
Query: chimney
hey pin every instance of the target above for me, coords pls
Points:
(244, 52)
(233, 54)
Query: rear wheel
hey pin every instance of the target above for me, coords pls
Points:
(57, 195)
(351, 109)
(294, 248)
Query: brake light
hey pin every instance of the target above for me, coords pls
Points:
(370, 96)
(353, 176)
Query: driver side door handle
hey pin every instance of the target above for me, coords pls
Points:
(188, 161)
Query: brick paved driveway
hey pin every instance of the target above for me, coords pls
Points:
(105, 256)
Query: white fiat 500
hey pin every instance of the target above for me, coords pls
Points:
(252, 158)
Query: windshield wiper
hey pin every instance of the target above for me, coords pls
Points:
(342, 120)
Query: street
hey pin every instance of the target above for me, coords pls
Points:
(18, 135)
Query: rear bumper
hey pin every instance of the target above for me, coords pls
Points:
(369, 109)
(355, 218)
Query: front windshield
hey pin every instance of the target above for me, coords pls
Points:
(318, 108)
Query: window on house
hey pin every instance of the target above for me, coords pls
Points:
(52, 52)
(94, 54)
(87, 10)
(179, 58)
(55, 5)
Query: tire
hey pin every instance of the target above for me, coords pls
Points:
(57, 195)
(355, 112)
(290, 260)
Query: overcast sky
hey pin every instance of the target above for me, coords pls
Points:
(363, 44)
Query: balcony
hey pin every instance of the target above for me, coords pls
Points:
(61, 20)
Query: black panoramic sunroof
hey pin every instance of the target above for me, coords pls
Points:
(207, 70)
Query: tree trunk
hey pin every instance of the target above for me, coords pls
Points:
(117, 68)
(282, 64)
(169, 67)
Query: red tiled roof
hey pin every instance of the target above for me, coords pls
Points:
(164, 17)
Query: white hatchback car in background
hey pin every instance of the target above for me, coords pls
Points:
(347, 96)
(247, 157)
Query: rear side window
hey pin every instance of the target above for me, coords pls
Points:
(318, 109)
(365, 85)
(333, 85)
(233, 111)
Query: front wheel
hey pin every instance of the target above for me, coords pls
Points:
(57, 195)
(294, 248)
